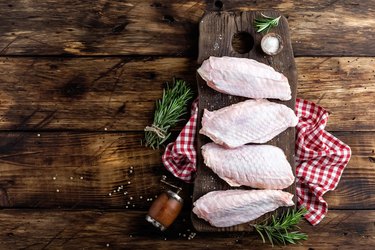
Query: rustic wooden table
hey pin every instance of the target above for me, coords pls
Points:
(78, 84)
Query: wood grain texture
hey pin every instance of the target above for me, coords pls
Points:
(30, 162)
(164, 27)
(344, 86)
(120, 93)
(99, 27)
(78, 170)
(216, 31)
(357, 184)
(56, 229)
(111, 93)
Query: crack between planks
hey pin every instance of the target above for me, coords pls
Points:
(53, 238)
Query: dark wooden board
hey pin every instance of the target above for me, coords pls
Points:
(119, 229)
(29, 163)
(106, 91)
(164, 27)
(96, 80)
(72, 170)
(216, 32)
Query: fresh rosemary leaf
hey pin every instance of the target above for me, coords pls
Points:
(168, 112)
(266, 23)
(278, 230)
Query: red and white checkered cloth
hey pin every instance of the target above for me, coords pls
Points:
(320, 157)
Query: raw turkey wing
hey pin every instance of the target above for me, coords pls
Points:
(251, 121)
(257, 166)
(233, 207)
(244, 77)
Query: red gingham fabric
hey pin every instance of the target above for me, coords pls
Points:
(320, 157)
(180, 156)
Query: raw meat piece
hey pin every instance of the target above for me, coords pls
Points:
(251, 121)
(233, 207)
(244, 77)
(257, 166)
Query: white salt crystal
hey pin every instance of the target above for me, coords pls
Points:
(271, 44)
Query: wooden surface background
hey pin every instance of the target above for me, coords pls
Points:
(217, 32)
(78, 82)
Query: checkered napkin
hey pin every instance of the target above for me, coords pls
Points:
(320, 157)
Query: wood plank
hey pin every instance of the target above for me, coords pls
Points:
(322, 28)
(128, 230)
(170, 27)
(357, 185)
(344, 86)
(64, 93)
(216, 31)
(78, 170)
(111, 93)
(30, 162)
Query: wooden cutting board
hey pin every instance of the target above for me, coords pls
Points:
(217, 30)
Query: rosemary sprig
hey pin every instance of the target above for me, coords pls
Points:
(278, 231)
(168, 111)
(266, 23)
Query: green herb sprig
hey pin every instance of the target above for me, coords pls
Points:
(266, 23)
(278, 230)
(168, 112)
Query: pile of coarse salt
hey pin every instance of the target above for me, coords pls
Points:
(271, 44)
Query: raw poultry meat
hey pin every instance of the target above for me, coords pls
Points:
(244, 77)
(251, 121)
(257, 166)
(233, 207)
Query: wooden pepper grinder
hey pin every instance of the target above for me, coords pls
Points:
(165, 208)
